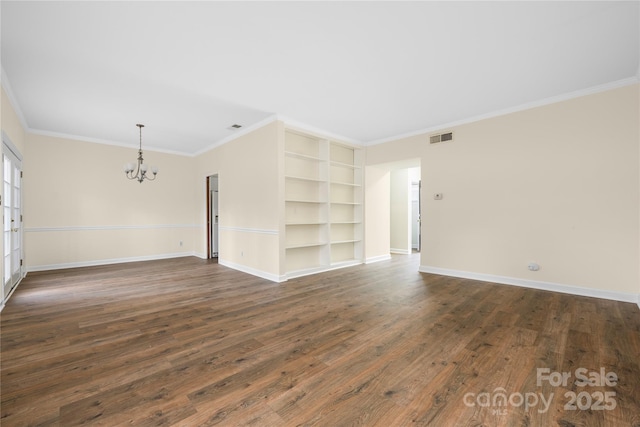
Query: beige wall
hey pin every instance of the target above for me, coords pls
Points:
(556, 184)
(249, 200)
(79, 208)
(377, 213)
(11, 124)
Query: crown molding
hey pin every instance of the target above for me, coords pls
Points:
(290, 123)
(294, 124)
(304, 127)
(4, 82)
(102, 141)
(521, 107)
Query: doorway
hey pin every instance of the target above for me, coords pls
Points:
(12, 212)
(405, 235)
(213, 238)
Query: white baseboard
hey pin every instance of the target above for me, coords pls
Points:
(6, 298)
(400, 251)
(321, 269)
(534, 284)
(252, 271)
(97, 262)
(378, 258)
(306, 272)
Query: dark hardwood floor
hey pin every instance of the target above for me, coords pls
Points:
(186, 342)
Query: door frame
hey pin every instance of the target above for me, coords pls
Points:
(210, 223)
(418, 219)
(11, 151)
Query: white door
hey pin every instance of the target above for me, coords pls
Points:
(12, 213)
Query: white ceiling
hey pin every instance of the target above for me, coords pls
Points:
(366, 71)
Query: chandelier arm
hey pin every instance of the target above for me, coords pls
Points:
(131, 174)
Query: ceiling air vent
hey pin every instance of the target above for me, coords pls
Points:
(434, 139)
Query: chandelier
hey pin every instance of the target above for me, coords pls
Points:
(141, 170)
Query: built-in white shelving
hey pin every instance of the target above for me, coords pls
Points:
(323, 204)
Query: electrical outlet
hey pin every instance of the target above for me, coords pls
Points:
(180, 242)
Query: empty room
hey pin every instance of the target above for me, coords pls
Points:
(332, 213)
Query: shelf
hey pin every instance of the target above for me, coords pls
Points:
(306, 245)
(346, 203)
(344, 165)
(304, 201)
(303, 156)
(306, 223)
(348, 184)
(302, 178)
(319, 233)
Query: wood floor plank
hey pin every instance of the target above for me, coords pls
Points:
(187, 342)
